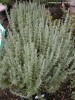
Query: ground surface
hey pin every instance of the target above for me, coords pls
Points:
(64, 93)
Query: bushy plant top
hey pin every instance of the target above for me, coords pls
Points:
(38, 55)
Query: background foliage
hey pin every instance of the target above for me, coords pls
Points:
(6, 1)
(10, 1)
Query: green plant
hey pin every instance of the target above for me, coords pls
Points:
(38, 55)
(6, 1)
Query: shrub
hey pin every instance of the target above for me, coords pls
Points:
(38, 55)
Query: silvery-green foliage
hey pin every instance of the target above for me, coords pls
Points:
(45, 1)
(38, 54)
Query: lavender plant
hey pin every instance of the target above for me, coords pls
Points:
(38, 54)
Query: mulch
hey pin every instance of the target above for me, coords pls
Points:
(5, 94)
(64, 92)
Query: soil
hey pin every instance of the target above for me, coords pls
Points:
(5, 94)
(64, 93)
